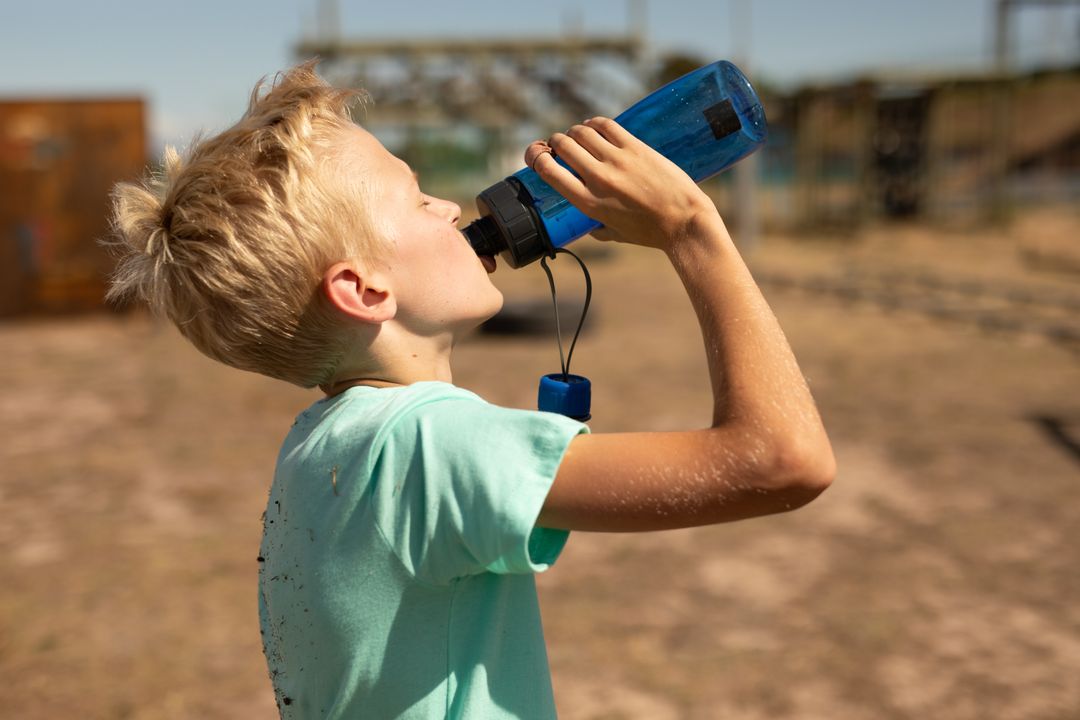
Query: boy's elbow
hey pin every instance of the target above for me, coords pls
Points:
(801, 470)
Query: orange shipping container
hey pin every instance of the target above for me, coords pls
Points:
(58, 161)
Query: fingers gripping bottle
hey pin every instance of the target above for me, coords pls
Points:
(704, 122)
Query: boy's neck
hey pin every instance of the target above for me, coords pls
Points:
(395, 364)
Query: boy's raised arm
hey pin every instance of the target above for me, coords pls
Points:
(766, 451)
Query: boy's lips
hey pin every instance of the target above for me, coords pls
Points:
(489, 263)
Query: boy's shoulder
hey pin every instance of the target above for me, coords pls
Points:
(365, 413)
(384, 404)
(432, 413)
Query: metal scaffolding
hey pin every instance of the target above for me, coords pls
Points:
(489, 83)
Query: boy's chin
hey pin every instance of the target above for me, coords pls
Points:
(489, 312)
(493, 310)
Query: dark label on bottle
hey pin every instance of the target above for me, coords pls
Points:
(722, 119)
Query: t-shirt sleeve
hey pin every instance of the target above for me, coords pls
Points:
(459, 484)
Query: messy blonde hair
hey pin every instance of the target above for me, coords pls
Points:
(230, 240)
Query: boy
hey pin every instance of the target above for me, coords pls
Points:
(406, 515)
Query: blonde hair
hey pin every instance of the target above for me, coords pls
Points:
(230, 241)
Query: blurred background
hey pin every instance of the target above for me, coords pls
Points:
(914, 221)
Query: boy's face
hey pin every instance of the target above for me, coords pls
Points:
(438, 281)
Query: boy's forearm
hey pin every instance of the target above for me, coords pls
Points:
(757, 385)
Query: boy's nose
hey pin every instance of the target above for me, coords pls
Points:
(453, 211)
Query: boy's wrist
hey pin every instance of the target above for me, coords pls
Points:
(704, 232)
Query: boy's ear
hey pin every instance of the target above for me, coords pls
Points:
(358, 293)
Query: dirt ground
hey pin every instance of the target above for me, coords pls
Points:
(937, 578)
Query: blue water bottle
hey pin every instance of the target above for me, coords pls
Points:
(704, 122)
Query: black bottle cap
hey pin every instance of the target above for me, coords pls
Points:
(508, 225)
(483, 234)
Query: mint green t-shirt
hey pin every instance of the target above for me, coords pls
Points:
(398, 552)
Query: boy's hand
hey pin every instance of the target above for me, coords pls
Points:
(766, 450)
(640, 196)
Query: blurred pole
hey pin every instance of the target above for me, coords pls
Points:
(746, 171)
(573, 22)
(999, 142)
(1000, 208)
(329, 21)
(638, 21)
(637, 17)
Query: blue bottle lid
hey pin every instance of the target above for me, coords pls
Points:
(569, 395)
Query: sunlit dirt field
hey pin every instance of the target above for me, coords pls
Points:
(938, 578)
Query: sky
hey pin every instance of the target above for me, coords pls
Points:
(196, 61)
